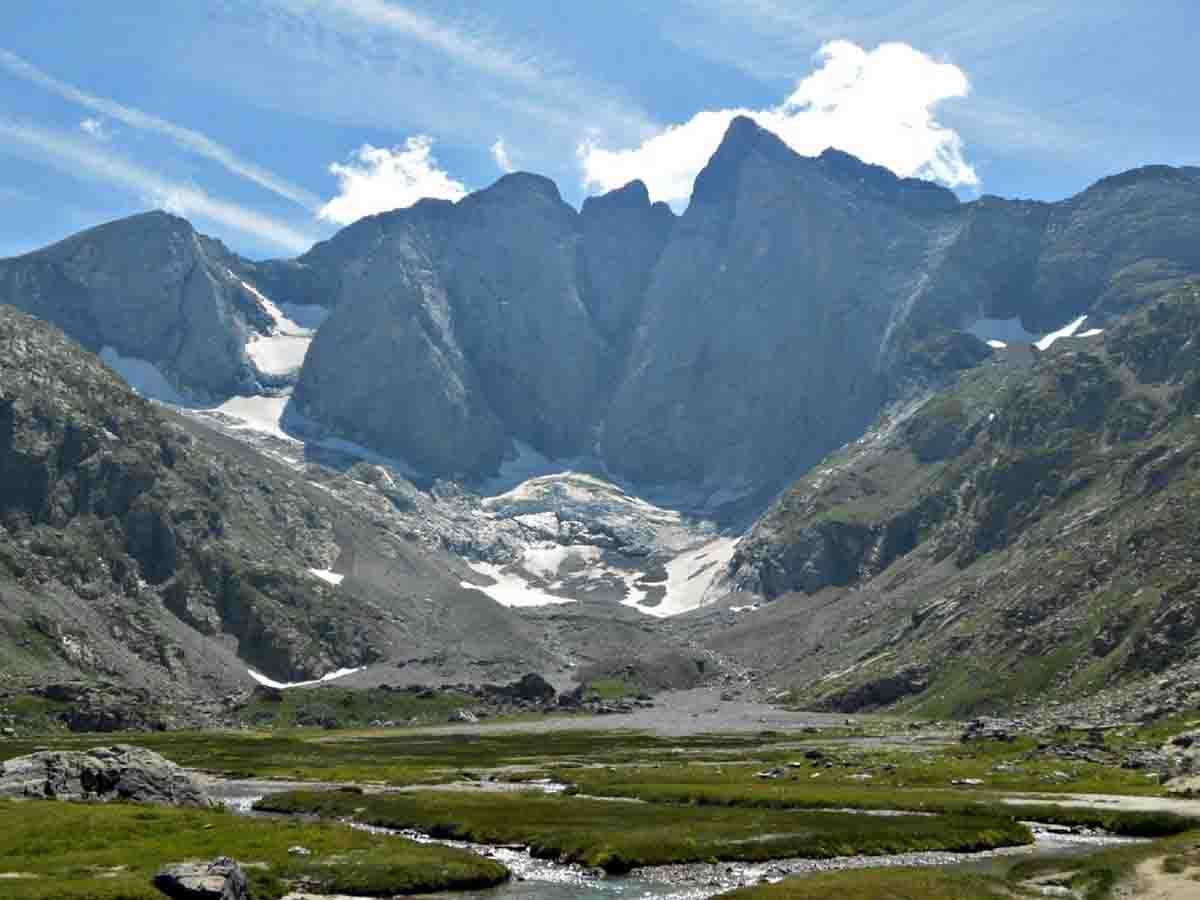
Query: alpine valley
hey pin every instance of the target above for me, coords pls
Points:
(829, 435)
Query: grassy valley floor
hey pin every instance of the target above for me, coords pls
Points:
(622, 800)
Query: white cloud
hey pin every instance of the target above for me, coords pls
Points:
(96, 128)
(85, 159)
(500, 155)
(877, 104)
(378, 179)
(191, 140)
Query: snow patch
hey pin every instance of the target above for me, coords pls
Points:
(327, 575)
(278, 354)
(997, 345)
(283, 350)
(689, 576)
(1066, 331)
(282, 685)
(144, 377)
(510, 589)
(526, 465)
(262, 414)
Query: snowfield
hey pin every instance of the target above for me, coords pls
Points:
(999, 334)
(327, 575)
(283, 685)
(283, 350)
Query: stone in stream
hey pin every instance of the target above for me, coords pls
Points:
(120, 772)
(221, 879)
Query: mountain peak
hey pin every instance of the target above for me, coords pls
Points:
(634, 195)
(744, 137)
(520, 184)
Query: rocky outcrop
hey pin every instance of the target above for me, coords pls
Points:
(1025, 534)
(221, 879)
(120, 772)
(476, 308)
(725, 350)
(151, 288)
(722, 352)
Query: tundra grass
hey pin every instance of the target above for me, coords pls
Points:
(77, 851)
(737, 786)
(618, 836)
(878, 884)
(396, 757)
(334, 707)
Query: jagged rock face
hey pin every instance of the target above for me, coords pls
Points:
(388, 368)
(762, 326)
(1122, 242)
(725, 350)
(471, 328)
(150, 287)
(623, 235)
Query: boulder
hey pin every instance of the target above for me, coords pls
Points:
(221, 879)
(989, 730)
(120, 772)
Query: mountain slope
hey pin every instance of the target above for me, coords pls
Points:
(151, 288)
(1030, 531)
(143, 549)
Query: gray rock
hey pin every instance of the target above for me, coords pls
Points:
(221, 879)
(120, 772)
(150, 287)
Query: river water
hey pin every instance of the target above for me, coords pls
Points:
(535, 879)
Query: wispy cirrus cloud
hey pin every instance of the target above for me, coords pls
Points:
(86, 159)
(379, 179)
(465, 77)
(475, 50)
(877, 104)
(187, 138)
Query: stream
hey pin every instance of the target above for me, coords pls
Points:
(538, 879)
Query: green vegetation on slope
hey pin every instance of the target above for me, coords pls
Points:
(1029, 531)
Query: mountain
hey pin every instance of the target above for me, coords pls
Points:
(1029, 532)
(151, 288)
(140, 549)
(465, 408)
(724, 351)
(717, 354)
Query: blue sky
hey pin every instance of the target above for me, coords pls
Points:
(270, 123)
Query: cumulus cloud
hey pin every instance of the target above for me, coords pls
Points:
(189, 139)
(86, 159)
(500, 155)
(877, 104)
(96, 128)
(378, 179)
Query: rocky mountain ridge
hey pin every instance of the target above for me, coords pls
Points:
(720, 353)
(1028, 532)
